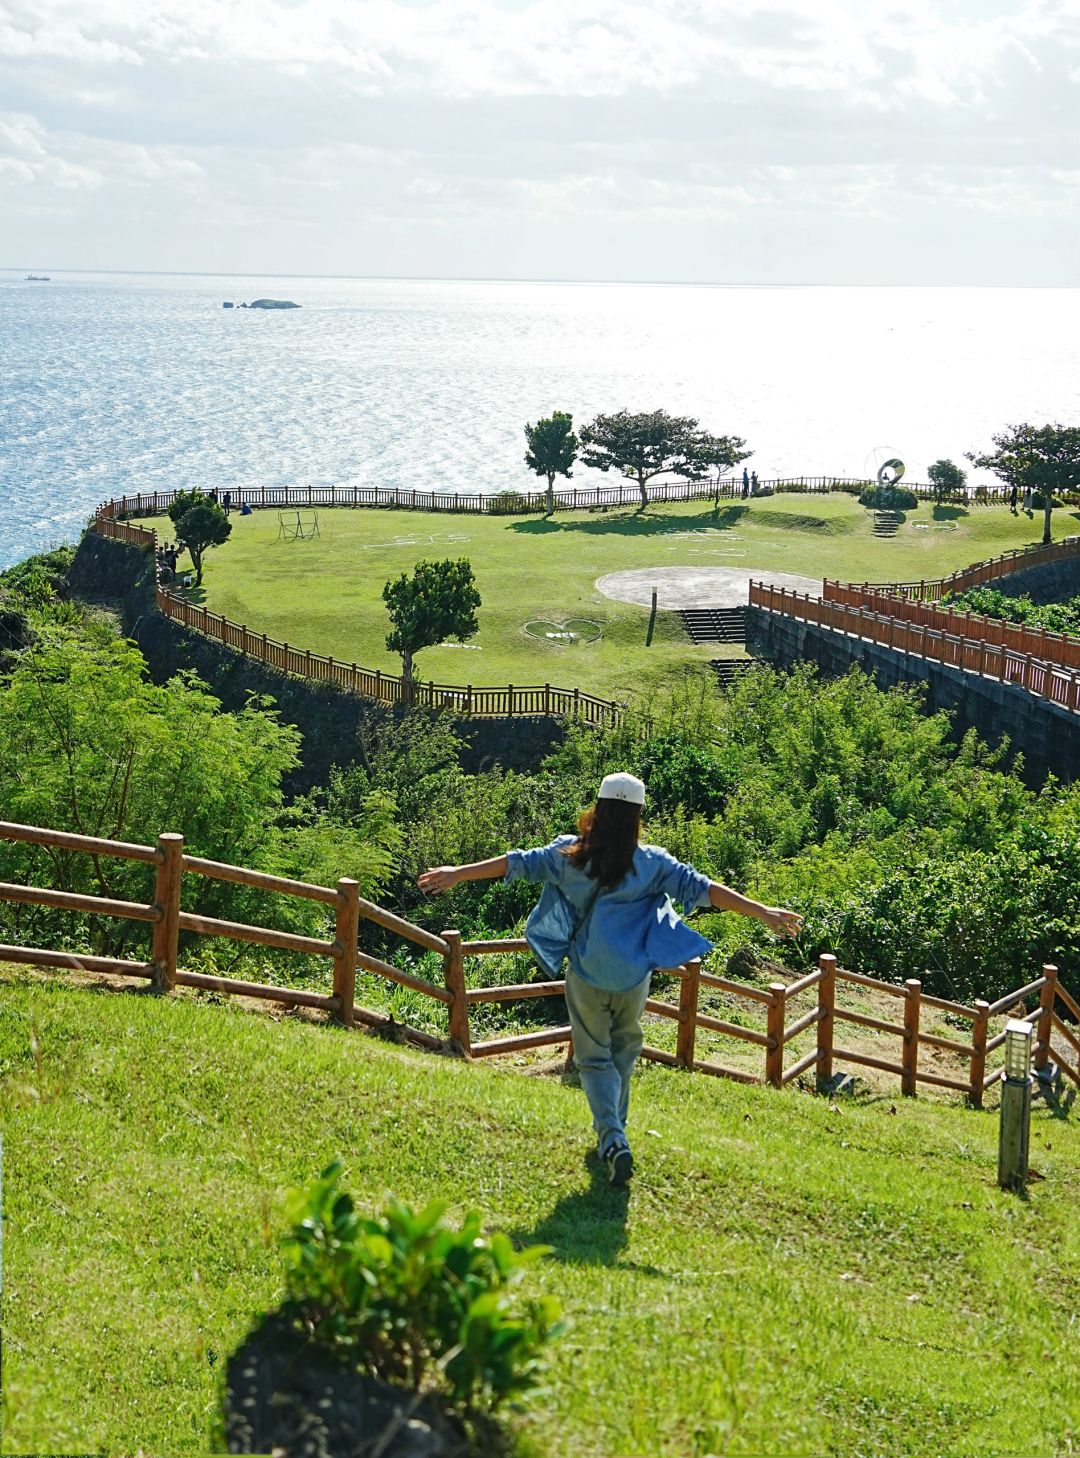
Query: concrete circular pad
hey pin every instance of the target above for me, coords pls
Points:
(688, 587)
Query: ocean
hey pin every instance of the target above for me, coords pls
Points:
(115, 383)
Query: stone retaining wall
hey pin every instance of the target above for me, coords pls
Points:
(1047, 736)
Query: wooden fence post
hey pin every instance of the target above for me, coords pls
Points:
(774, 1053)
(454, 982)
(167, 896)
(1044, 1026)
(979, 1029)
(909, 1057)
(826, 1004)
(688, 1004)
(346, 931)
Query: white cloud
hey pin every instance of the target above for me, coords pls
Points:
(490, 121)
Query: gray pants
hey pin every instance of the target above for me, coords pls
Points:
(607, 1040)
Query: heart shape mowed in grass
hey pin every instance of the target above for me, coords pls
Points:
(573, 630)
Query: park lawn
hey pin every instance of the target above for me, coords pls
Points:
(325, 594)
(786, 1276)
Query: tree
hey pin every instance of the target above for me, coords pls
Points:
(437, 602)
(552, 450)
(947, 479)
(184, 501)
(200, 527)
(1042, 458)
(655, 443)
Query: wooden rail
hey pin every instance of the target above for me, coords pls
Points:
(1056, 1012)
(469, 700)
(1058, 685)
(1061, 649)
(514, 502)
(931, 589)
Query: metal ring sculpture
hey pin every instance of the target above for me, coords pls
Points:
(889, 472)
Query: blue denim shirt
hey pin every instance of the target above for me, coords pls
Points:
(618, 943)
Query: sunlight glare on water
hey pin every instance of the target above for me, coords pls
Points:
(111, 384)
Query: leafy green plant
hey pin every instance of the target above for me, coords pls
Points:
(988, 602)
(508, 502)
(411, 1299)
(883, 497)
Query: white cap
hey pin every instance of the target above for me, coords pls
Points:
(622, 787)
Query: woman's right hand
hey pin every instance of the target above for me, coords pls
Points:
(439, 878)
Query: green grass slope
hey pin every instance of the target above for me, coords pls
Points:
(325, 594)
(785, 1276)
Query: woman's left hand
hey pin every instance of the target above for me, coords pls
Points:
(783, 923)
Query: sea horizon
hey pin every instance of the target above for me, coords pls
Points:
(118, 381)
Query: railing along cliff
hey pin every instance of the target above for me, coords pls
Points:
(815, 1025)
(1061, 649)
(1059, 685)
(472, 701)
(508, 503)
(932, 589)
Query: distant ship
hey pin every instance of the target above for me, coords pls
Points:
(37, 278)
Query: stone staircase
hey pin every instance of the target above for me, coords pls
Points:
(727, 670)
(886, 523)
(715, 625)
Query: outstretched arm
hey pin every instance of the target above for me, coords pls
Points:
(776, 918)
(442, 878)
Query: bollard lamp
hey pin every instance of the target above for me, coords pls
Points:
(1015, 1106)
(1019, 1040)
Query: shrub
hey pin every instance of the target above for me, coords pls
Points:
(508, 503)
(1055, 617)
(411, 1299)
(889, 498)
(1038, 501)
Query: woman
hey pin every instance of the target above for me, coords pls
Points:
(607, 906)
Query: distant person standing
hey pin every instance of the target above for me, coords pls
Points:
(226, 501)
(1027, 499)
(745, 482)
(214, 496)
(1012, 499)
(753, 483)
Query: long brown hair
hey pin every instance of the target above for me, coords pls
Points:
(607, 839)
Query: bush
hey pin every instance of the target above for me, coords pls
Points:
(988, 602)
(889, 498)
(508, 503)
(411, 1299)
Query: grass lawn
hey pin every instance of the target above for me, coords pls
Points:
(786, 1276)
(325, 594)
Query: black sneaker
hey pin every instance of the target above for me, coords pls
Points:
(620, 1165)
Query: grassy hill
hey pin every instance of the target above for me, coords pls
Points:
(786, 1276)
(325, 594)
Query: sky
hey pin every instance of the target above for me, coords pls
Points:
(720, 141)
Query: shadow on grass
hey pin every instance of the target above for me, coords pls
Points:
(637, 523)
(949, 513)
(536, 528)
(587, 1227)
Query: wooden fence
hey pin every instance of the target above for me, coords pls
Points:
(772, 1005)
(1059, 648)
(933, 588)
(1060, 686)
(510, 502)
(471, 701)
